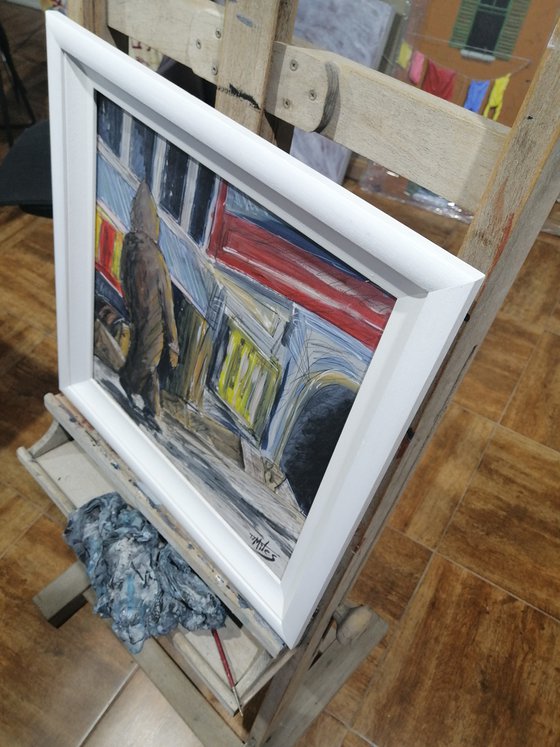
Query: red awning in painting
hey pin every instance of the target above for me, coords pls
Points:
(351, 303)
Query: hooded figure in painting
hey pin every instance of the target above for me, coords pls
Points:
(147, 292)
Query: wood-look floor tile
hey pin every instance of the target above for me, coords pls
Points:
(508, 526)
(354, 740)
(535, 407)
(470, 666)
(17, 514)
(23, 418)
(534, 294)
(18, 227)
(441, 478)
(28, 292)
(17, 338)
(553, 324)
(325, 731)
(390, 575)
(386, 584)
(15, 476)
(56, 515)
(19, 24)
(141, 717)
(15, 225)
(497, 368)
(54, 684)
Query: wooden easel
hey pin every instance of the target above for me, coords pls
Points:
(510, 177)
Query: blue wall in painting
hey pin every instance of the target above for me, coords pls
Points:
(114, 191)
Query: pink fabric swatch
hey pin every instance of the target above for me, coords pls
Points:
(416, 67)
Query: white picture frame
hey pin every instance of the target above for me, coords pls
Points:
(432, 292)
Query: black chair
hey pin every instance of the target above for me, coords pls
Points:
(18, 89)
(25, 172)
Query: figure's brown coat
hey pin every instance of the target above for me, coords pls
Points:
(147, 292)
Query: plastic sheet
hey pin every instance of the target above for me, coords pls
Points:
(378, 180)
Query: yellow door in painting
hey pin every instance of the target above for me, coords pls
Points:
(248, 380)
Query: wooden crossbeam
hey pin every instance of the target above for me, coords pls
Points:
(409, 131)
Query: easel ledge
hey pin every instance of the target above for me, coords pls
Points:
(73, 464)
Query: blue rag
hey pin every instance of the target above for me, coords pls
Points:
(139, 580)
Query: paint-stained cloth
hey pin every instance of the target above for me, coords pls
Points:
(138, 578)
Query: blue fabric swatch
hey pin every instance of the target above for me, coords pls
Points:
(475, 95)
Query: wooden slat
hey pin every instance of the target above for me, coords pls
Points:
(193, 708)
(302, 90)
(525, 182)
(55, 436)
(251, 28)
(433, 142)
(247, 660)
(92, 15)
(57, 496)
(442, 146)
(174, 27)
(248, 36)
(74, 474)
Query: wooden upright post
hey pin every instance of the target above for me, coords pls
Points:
(520, 194)
(92, 15)
(250, 29)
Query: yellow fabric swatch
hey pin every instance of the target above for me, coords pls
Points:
(405, 53)
(496, 98)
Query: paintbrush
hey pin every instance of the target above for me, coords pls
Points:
(227, 670)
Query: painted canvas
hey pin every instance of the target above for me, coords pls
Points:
(230, 338)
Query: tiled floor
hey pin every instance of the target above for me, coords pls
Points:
(467, 572)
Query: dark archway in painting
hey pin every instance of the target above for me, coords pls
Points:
(313, 439)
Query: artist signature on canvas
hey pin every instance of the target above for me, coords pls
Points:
(261, 546)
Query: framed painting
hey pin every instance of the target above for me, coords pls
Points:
(252, 339)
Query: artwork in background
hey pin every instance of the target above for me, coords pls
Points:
(232, 340)
(356, 29)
